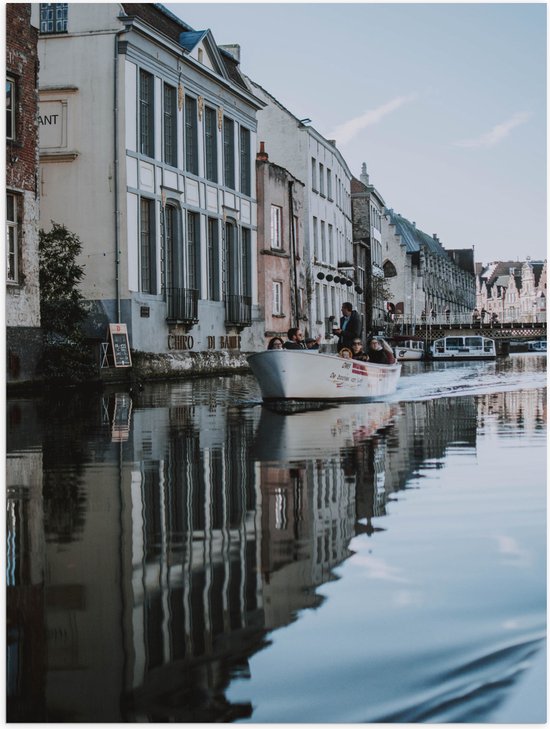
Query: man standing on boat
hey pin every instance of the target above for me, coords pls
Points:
(350, 326)
(296, 340)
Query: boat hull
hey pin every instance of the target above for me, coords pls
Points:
(302, 375)
(408, 355)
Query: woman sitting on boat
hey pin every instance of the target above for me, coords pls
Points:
(357, 351)
(275, 343)
(380, 352)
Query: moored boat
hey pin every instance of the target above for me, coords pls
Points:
(536, 345)
(310, 375)
(468, 347)
(408, 349)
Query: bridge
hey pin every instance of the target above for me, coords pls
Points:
(501, 332)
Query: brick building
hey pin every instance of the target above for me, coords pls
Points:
(22, 195)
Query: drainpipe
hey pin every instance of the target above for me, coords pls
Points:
(116, 166)
(293, 246)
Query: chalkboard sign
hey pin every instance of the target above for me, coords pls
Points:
(120, 345)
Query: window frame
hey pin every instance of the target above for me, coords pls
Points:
(146, 101)
(276, 227)
(245, 159)
(147, 247)
(54, 20)
(210, 144)
(170, 124)
(229, 152)
(213, 258)
(11, 116)
(191, 135)
(277, 298)
(12, 239)
(192, 259)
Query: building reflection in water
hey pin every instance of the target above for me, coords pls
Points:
(154, 545)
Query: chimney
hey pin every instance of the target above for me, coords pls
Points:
(234, 50)
(262, 155)
(364, 176)
(332, 141)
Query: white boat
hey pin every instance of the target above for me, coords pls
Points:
(468, 347)
(409, 350)
(287, 374)
(536, 345)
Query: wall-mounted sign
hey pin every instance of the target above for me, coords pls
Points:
(52, 121)
(120, 345)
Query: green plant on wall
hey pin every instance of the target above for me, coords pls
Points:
(66, 356)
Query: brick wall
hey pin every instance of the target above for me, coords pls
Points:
(22, 64)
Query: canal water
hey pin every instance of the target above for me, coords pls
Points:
(183, 553)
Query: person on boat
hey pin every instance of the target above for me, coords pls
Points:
(275, 343)
(345, 353)
(350, 326)
(357, 351)
(296, 340)
(380, 352)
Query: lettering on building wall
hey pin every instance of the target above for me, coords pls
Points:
(48, 119)
(230, 342)
(180, 341)
(211, 342)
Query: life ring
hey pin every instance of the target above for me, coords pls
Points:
(401, 353)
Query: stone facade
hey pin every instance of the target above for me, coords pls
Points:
(22, 285)
(441, 283)
(513, 290)
(159, 185)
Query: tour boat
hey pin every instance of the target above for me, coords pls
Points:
(536, 345)
(295, 436)
(288, 374)
(408, 349)
(468, 347)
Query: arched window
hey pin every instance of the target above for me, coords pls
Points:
(389, 270)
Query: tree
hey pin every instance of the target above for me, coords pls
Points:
(66, 356)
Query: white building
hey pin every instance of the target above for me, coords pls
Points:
(328, 246)
(147, 151)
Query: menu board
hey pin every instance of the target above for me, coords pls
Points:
(120, 345)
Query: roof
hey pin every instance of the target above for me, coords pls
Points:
(414, 238)
(160, 18)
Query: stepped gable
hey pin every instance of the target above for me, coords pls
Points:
(414, 238)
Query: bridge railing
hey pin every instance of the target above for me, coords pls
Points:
(466, 320)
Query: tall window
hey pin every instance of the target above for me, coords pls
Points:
(323, 242)
(315, 238)
(211, 144)
(246, 256)
(12, 238)
(229, 152)
(193, 243)
(147, 246)
(53, 17)
(331, 256)
(314, 173)
(321, 179)
(173, 247)
(277, 298)
(10, 109)
(245, 161)
(213, 260)
(191, 138)
(276, 226)
(329, 184)
(170, 126)
(146, 114)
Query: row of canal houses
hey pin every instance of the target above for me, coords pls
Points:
(211, 217)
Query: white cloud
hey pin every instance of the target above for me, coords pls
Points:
(497, 133)
(345, 132)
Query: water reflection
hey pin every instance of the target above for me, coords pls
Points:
(157, 539)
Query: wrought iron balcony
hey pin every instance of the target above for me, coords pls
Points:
(182, 305)
(238, 310)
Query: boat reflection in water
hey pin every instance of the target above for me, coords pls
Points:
(155, 544)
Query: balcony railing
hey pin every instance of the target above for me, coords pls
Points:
(182, 305)
(238, 310)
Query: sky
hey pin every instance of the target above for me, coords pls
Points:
(444, 102)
